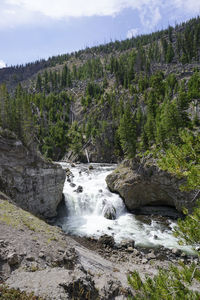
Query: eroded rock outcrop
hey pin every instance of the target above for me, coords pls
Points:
(30, 181)
(142, 183)
(37, 257)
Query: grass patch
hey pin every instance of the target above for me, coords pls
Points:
(13, 294)
(18, 218)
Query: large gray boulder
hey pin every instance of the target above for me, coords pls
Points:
(33, 183)
(109, 211)
(141, 182)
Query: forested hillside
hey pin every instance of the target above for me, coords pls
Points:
(114, 100)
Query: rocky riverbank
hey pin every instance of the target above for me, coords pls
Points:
(39, 258)
(126, 251)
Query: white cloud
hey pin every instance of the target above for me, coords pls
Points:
(192, 6)
(2, 64)
(76, 8)
(132, 32)
(16, 12)
(150, 17)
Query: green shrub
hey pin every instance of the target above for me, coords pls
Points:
(7, 293)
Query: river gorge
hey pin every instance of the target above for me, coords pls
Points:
(92, 210)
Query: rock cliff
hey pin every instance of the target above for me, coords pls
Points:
(33, 183)
(141, 183)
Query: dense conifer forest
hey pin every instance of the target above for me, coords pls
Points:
(126, 96)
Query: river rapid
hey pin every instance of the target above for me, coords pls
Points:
(89, 204)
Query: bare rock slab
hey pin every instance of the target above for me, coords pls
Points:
(33, 183)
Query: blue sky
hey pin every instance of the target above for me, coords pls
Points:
(34, 29)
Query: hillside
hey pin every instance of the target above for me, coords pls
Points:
(110, 101)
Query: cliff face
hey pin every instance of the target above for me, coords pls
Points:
(142, 183)
(32, 183)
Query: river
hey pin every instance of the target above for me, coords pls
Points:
(87, 211)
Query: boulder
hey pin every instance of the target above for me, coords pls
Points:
(82, 287)
(109, 212)
(13, 259)
(176, 252)
(32, 182)
(112, 290)
(142, 182)
(151, 255)
(125, 244)
(106, 240)
(79, 189)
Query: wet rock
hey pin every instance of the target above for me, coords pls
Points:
(72, 184)
(106, 240)
(109, 212)
(73, 165)
(68, 172)
(79, 189)
(91, 167)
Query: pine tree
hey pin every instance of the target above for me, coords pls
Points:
(170, 53)
(127, 133)
(39, 83)
(4, 107)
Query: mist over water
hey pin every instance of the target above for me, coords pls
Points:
(85, 211)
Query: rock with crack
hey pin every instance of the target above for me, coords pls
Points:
(141, 183)
(56, 283)
(33, 183)
(82, 287)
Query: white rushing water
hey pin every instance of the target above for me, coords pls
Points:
(85, 211)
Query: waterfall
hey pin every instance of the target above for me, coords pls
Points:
(86, 153)
(92, 210)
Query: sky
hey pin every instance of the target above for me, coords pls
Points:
(36, 29)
